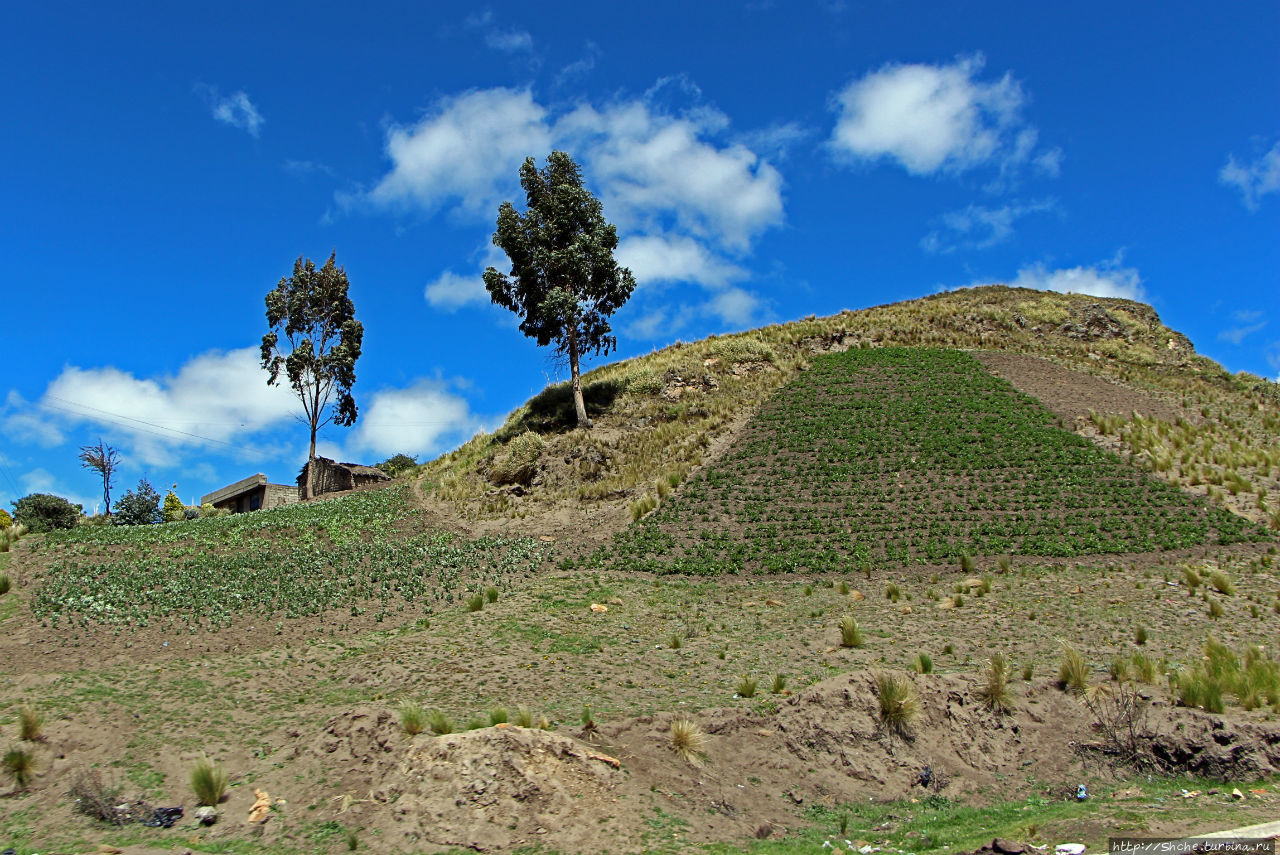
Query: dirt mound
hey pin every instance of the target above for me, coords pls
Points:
(1211, 746)
(492, 789)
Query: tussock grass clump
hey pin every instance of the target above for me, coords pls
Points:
(20, 765)
(850, 633)
(892, 592)
(413, 718)
(30, 724)
(994, 691)
(475, 602)
(743, 349)
(1144, 669)
(208, 782)
(5, 583)
(1140, 637)
(1191, 579)
(1073, 671)
(1221, 583)
(898, 704)
(747, 686)
(520, 462)
(779, 684)
(922, 664)
(439, 723)
(1253, 680)
(498, 715)
(491, 593)
(524, 717)
(688, 740)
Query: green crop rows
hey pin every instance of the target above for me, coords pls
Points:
(362, 551)
(909, 456)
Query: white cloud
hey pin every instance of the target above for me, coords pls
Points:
(1107, 279)
(936, 118)
(674, 258)
(656, 170)
(1254, 180)
(235, 109)
(418, 420)
(450, 291)
(467, 150)
(979, 227)
(217, 398)
(580, 67)
(734, 306)
(28, 423)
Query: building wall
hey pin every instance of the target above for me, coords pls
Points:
(278, 495)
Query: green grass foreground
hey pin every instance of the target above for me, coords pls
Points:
(909, 456)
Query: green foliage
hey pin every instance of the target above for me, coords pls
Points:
(498, 715)
(564, 283)
(978, 469)
(439, 722)
(747, 686)
(1222, 583)
(6, 521)
(5, 584)
(42, 512)
(491, 593)
(1253, 679)
(173, 510)
(139, 506)
(923, 663)
(208, 782)
(779, 684)
(294, 561)
(399, 464)
(475, 602)
(311, 308)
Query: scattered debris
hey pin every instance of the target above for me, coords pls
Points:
(206, 815)
(261, 810)
(598, 608)
(163, 817)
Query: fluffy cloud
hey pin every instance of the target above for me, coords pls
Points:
(655, 170)
(216, 399)
(734, 306)
(503, 40)
(1108, 279)
(978, 226)
(468, 151)
(419, 420)
(1254, 180)
(687, 199)
(665, 258)
(235, 109)
(936, 118)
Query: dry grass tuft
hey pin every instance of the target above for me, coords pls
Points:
(898, 704)
(688, 740)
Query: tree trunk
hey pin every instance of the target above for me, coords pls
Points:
(310, 488)
(578, 404)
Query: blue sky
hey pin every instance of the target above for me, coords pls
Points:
(163, 165)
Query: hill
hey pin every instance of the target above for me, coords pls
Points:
(907, 576)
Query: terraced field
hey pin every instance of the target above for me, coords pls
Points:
(898, 456)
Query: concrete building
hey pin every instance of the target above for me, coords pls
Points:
(251, 494)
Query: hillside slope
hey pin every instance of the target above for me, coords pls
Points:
(661, 416)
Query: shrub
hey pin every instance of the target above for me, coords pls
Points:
(30, 724)
(6, 521)
(747, 686)
(898, 704)
(208, 510)
(20, 764)
(398, 465)
(688, 740)
(42, 512)
(850, 634)
(1073, 672)
(95, 799)
(413, 718)
(994, 692)
(173, 510)
(140, 506)
(208, 782)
